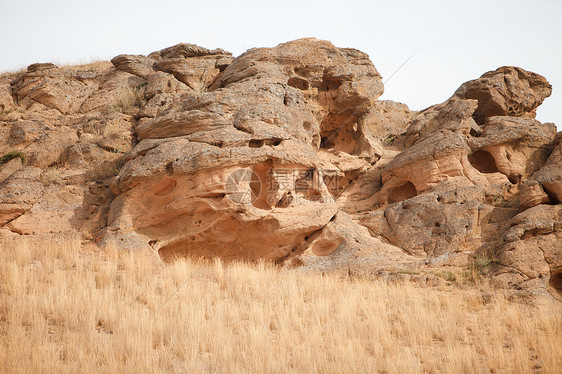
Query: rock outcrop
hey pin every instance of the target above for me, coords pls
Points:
(284, 154)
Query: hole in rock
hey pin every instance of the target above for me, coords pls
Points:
(255, 143)
(339, 132)
(329, 84)
(338, 140)
(170, 168)
(328, 91)
(556, 281)
(403, 192)
(483, 162)
(213, 195)
(474, 133)
(514, 179)
(298, 83)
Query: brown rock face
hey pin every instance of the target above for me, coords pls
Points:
(530, 250)
(283, 154)
(550, 176)
(186, 156)
(507, 91)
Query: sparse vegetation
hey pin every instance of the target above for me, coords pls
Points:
(483, 263)
(87, 64)
(10, 156)
(502, 202)
(140, 86)
(129, 98)
(389, 140)
(5, 112)
(51, 176)
(107, 169)
(64, 309)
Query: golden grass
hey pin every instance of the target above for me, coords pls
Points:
(80, 65)
(65, 309)
(86, 64)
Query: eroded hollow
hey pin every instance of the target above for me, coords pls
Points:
(403, 192)
(339, 133)
(164, 187)
(556, 281)
(298, 83)
(255, 143)
(329, 84)
(324, 247)
(483, 162)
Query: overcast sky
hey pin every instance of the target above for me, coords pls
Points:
(452, 41)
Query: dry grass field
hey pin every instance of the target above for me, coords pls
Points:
(64, 309)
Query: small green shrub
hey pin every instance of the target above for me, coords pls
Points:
(10, 156)
(390, 139)
(484, 263)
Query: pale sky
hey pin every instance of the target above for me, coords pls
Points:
(453, 41)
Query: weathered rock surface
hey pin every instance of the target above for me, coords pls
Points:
(530, 250)
(284, 154)
(507, 91)
(550, 175)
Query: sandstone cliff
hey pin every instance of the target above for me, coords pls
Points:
(284, 154)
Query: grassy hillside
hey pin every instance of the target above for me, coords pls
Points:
(67, 309)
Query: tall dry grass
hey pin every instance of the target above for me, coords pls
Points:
(64, 309)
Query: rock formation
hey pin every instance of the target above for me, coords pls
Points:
(284, 154)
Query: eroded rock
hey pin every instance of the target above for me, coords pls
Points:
(530, 254)
(284, 154)
(550, 175)
(507, 91)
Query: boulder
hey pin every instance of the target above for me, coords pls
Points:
(507, 91)
(530, 254)
(55, 88)
(456, 223)
(515, 147)
(550, 175)
(532, 194)
(134, 64)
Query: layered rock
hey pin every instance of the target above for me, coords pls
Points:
(268, 111)
(284, 154)
(550, 175)
(530, 251)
